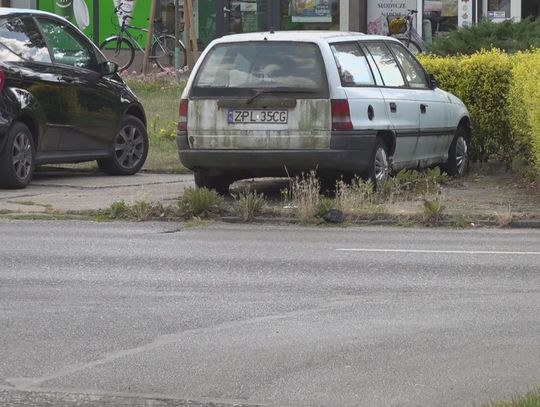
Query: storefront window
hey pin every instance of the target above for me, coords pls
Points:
(248, 16)
(310, 14)
(440, 17)
(498, 9)
(379, 11)
(166, 13)
(207, 21)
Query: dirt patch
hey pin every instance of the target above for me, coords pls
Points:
(489, 190)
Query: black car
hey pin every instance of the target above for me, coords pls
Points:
(61, 101)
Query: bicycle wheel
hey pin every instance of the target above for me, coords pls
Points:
(119, 50)
(163, 52)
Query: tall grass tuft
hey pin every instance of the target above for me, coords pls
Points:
(248, 204)
(200, 202)
(304, 194)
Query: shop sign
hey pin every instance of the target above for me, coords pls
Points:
(312, 11)
(496, 14)
(465, 13)
(380, 10)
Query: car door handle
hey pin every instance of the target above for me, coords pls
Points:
(393, 107)
(68, 79)
(423, 108)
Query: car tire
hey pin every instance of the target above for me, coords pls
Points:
(18, 158)
(379, 164)
(458, 155)
(220, 183)
(130, 148)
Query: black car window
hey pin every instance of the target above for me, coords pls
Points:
(411, 68)
(21, 40)
(67, 47)
(386, 64)
(352, 64)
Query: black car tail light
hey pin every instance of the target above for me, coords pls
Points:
(2, 80)
(183, 115)
(341, 115)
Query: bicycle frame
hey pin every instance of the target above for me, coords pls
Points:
(125, 30)
(411, 35)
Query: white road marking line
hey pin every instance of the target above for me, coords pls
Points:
(366, 250)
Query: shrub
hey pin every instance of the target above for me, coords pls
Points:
(482, 81)
(200, 202)
(140, 210)
(353, 196)
(408, 184)
(433, 211)
(324, 205)
(248, 204)
(508, 36)
(524, 104)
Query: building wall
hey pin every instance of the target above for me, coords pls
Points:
(19, 3)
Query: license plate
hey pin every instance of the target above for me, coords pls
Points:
(258, 116)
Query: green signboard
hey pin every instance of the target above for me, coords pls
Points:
(82, 13)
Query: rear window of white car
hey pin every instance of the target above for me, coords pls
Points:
(241, 67)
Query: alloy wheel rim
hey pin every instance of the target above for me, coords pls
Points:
(129, 147)
(381, 167)
(22, 156)
(462, 156)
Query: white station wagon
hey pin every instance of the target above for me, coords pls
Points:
(282, 103)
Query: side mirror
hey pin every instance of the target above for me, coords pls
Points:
(109, 68)
(432, 81)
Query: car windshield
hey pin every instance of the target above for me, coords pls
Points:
(243, 66)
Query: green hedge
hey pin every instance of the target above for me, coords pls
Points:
(502, 95)
(483, 82)
(508, 36)
(524, 100)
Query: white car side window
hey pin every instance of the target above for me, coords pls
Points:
(386, 64)
(412, 69)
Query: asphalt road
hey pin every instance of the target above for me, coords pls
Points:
(150, 314)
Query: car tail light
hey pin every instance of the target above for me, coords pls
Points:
(183, 115)
(341, 115)
(2, 80)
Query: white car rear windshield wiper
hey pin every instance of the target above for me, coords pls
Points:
(270, 91)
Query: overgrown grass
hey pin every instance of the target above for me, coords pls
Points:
(200, 202)
(140, 211)
(248, 204)
(160, 96)
(531, 399)
(357, 198)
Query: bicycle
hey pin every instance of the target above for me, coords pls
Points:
(402, 28)
(123, 44)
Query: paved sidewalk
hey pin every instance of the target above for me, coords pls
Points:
(65, 190)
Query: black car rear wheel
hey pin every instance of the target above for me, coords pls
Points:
(130, 149)
(17, 159)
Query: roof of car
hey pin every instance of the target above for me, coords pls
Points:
(302, 36)
(9, 10)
